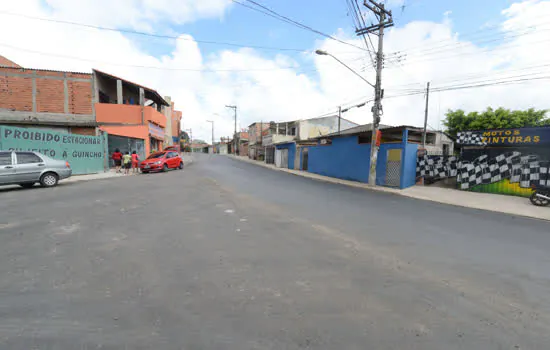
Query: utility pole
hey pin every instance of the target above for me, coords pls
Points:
(385, 20)
(426, 115)
(191, 139)
(212, 122)
(234, 108)
(339, 117)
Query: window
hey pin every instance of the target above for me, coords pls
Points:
(27, 158)
(5, 158)
(156, 155)
(293, 131)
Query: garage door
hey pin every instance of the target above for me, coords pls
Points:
(126, 144)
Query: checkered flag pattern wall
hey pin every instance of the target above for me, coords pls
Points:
(470, 138)
(524, 170)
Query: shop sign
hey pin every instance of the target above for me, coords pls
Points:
(505, 137)
(84, 153)
(156, 130)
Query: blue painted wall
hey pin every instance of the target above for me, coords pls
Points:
(408, 170)
(291, 152)
(344, 159)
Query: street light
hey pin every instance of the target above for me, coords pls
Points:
(324, 53)
(211, 121)
(375, 119)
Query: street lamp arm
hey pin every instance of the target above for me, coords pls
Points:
(354, 72)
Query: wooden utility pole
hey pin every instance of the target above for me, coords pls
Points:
(385, 20)
(426, 115)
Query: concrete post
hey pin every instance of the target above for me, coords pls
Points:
(65, 94)
(34, 92)
(142, 103)
(119, 92)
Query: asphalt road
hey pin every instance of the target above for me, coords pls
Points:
(229, 255)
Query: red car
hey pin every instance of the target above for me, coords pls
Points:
(161, 161)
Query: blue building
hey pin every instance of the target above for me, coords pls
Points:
(346, 155)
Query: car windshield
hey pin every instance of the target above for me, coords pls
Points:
(156, 155)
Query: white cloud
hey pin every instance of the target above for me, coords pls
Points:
(424, 51)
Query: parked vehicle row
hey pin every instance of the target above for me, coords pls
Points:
(27, 168)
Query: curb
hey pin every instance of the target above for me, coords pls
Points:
(363, 186)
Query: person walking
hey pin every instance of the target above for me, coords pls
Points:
(135, 162)
(117, 158)
(127, 162)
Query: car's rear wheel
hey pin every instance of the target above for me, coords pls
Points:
(180, 166)
(49, 180)
(165, 167)
(27, 184)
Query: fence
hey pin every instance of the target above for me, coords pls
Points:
(493, 171)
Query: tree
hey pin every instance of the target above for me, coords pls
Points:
(500, 118)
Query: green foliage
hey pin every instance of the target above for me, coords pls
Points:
(500, 118)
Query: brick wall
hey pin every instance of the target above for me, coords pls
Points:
(83, 131)
(16, 91)
(255, 132)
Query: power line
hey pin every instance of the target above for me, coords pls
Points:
(267, 11)
(140, 66)
(128, 31)
(453, 40)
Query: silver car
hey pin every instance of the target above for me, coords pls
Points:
(27, 168)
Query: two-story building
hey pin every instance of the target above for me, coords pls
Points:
(255, 147)
(130, 113)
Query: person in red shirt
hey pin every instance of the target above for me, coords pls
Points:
(135, 162)
(117, 158)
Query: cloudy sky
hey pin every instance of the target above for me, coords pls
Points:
(209, 53)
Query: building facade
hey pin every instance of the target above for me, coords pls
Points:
(130, 113)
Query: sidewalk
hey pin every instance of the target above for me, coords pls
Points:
(188, 160)
(484, 201)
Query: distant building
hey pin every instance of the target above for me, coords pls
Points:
(282, 141)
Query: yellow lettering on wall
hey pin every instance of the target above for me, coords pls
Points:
(487, 133)
(484, 139)
(527, 139)
(519, 139)
(516, 132)
(495, 140)
(511, 139)
(503, 139)
(494, 133)
(508, 132)
(536, 139)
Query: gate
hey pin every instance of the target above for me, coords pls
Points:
(126, 144)
(281, 158)
(393, 168)
(270, 155)
(305, 157)
(85, 154)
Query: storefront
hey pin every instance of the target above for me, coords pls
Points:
(126, 144)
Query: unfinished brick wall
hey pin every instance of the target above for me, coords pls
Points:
(16, 88)
(83, 131)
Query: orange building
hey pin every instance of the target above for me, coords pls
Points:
(130, 113)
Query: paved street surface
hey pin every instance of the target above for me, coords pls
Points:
(229, 255)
